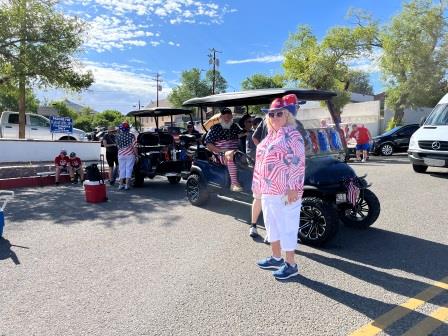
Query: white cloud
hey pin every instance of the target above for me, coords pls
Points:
(117, 86)
(106, 33)
(261, 59)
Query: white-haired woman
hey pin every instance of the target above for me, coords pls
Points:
(278, 177)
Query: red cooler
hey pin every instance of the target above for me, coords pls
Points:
(95, 191)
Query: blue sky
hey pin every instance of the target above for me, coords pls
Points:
(128, 41)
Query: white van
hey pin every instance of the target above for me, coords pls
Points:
(428, 146)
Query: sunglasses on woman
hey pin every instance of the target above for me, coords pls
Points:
(277, 114)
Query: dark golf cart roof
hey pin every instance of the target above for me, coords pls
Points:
(159, 112)
(257, 97)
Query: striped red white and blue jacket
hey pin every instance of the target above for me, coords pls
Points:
(280, 163)
(125, 142)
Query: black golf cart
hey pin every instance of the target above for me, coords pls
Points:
(161, 152)
(327, 175)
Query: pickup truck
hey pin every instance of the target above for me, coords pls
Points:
(37, 127)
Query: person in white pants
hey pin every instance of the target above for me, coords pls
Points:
(126, 155)
(278, 177)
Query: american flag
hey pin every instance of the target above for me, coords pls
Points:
(353, 189)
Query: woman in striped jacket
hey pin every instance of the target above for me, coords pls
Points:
(278, 177)
(126, 155)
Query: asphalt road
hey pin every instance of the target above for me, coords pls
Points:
(149, 263)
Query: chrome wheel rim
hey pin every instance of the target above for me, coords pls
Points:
(360, 211)
(193, 190)
(387, 149)
(312, 223)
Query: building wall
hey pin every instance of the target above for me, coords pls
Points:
(411, 116)
(367, 113)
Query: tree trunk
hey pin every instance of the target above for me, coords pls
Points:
(22, 115)
(398, 116)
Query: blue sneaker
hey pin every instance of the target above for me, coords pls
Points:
(270, 263)
(286, 271)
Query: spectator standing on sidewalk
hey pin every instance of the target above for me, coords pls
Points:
(362, 136)
(126, 155)
(109, 142)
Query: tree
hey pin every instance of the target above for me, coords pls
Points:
(359, 82)
(108, 118)
(220, 82)
(325, 65)
(415, 56)
(84, 122)
(9, 99)
(192, 85)
(63, 110)
(261, 81)
(37, 46)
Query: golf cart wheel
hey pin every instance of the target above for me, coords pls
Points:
(365, 212)
(386, 149)
(419, 168)
(139, 180)
(196, 190)
(318, 222)
(174, 179)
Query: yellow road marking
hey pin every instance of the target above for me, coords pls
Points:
(429, 324)
(402, 310)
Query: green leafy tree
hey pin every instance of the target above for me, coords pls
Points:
(359, 82)
(261, 81)
(414, 62)
(192, 85)
(63, 110)
(37, 46)
(9, 99)
(108, 118)
(220, 82)
(325, 64)
(85, 122)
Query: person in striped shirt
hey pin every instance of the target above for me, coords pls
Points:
(223, 139)
(279, 175)
(126, 155)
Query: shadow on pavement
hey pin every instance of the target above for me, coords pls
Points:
(439, 175)
(66, 205)
(390, 250)
(7, 253)
(369, 307)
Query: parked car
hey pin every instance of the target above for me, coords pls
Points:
(36, 127)
(325, 191)
(393, 141)
(160, 152)
(428, 146)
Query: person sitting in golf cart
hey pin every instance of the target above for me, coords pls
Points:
(223, 140)
(190, 129)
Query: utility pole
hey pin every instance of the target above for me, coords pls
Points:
(214, 61)
(158, 80)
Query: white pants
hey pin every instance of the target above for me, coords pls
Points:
(281, 221)
(126, 165)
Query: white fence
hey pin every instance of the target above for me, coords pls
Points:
(14, 150)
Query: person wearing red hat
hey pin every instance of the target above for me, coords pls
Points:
(127, 152)
(278, 177)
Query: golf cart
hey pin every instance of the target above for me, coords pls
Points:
(327, 175)
(160, 152)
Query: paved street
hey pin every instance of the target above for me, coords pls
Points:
(149, 263)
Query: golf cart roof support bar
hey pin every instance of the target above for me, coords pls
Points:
(156, 119)
(201, 112)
